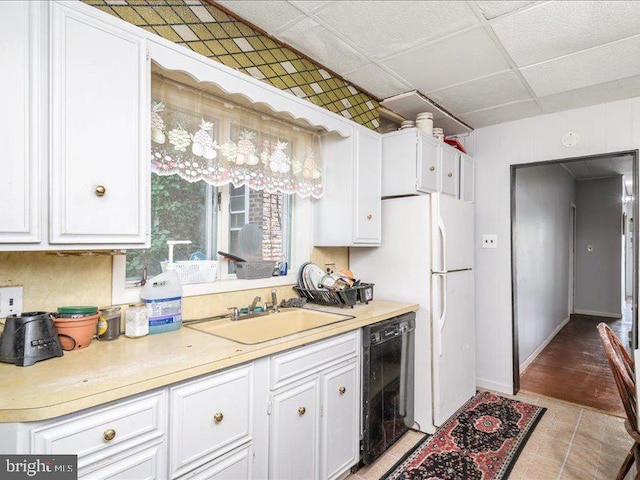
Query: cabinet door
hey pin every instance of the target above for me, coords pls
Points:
(367, 228)
(99, 131)
(467, 178)
(340, 419)
(22, 57)
(428, 159)
(209, 417)
(450, 171)
(294, 432)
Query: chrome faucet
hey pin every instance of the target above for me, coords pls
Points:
(274, 301)
(252, 307)
(235, 313)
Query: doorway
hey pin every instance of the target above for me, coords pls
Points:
(568, 272)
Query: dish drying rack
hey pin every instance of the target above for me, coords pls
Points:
(190, 271)
(348, 297)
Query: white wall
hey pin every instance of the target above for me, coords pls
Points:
(543, 214)
(603, 128)
(599, 225)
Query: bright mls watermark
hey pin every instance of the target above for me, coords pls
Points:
(46, 467)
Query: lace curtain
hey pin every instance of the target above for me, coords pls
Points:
(204, 138)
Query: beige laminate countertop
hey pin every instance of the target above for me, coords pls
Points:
(107, 371)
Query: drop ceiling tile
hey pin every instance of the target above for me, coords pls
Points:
(270, 16)
(323, 46)
(593, 95)
(501, 114)
(381, 28)
(309, 5)
(494, 9)
(458, 59)
(487, 92)
(553, 29)
(377, 81)
(598, 65)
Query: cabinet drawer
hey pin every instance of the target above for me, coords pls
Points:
(209, 417)
(234, 466)
(87, 435)
(287, 367)
(146, 464)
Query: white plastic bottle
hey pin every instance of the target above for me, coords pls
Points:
(162, 295)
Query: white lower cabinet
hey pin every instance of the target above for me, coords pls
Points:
(103, 438)
(340, 419)
(233, 466)
(294, 432)
(209, 417)
(314, 429)
(293, 415)
(146, 464)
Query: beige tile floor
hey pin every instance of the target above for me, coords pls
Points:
(569, 443)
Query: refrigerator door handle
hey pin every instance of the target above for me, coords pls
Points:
(443, 309)
(443, 245)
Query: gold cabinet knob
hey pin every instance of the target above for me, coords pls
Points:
(100, 191)
(432, 168)
(302, 410)
(369, 217)
(342, 390)
(450, 175)
(218, 417)
(109, 435)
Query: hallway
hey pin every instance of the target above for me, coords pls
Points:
(574, 368)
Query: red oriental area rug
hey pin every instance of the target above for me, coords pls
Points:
(480, 442)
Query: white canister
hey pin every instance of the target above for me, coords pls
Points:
(424, 122)
(425, 125)
(136, 321)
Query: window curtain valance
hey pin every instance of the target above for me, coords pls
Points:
(201, 137)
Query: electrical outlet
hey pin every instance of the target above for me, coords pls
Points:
(10, 301)
(489, 241)
(329, 268)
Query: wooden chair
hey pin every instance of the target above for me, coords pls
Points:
(624, 375)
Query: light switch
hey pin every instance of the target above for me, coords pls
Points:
(10, 301)
(489, 240)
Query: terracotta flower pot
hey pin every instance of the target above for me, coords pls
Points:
(76, 333)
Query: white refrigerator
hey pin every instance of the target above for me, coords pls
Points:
(426, 257)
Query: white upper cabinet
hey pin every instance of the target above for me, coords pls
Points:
(414, 162)
(75, 169)
(21, 87)
(99, 131)
(426, 152)
(349, 212)
(450, 171)
(467, 178)
(368, 187)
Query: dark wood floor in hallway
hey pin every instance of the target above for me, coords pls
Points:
(574, 368)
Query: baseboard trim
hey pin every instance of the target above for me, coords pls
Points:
(598, 314)
(537, 351)
(495, 386)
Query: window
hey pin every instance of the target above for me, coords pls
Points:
(181, 210)
(224, 178)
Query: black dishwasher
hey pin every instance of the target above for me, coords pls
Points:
(387, 383)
